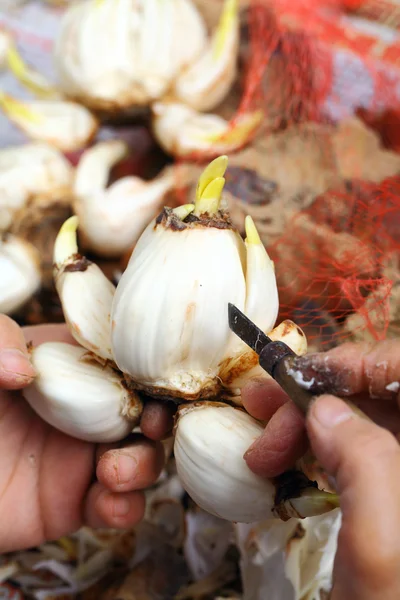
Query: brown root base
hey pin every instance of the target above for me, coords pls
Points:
(289, 485)
(232, 368)
(108, 110)
(169, 220)
(79, 264)
(39, 222)
(208, 393)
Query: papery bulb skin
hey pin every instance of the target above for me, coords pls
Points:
(117, 54)
(170, 330)
(112, 218)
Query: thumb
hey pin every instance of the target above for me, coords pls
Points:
(16, 370)
(364, 459)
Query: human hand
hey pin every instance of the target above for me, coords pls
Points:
(363, 457)
(52, 484)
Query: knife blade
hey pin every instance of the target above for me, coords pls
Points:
(246, 329)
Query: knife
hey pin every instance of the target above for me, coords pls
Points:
(277, 359)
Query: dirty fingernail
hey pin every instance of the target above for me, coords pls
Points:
(122, 506)
(126, 468)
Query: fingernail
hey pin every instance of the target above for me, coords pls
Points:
(249, 452)
(13, 360)
(330, 411)
(126, 468)
(122, 506)
(253, 448)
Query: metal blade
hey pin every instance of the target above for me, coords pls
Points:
(248, 332)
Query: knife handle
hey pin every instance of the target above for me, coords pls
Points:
(277, 359)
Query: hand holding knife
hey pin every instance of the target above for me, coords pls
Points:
(277, 359)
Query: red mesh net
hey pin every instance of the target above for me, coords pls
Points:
(331, 262)
(320, 177)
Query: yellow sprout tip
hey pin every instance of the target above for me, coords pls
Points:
(210, 198)
(183, 211)
(18, 111)
(32, 80)
(227, 22)
(215, 169)
(65, 246)
(214, 189)
(70, 225)
(252, 236)
(237, 134)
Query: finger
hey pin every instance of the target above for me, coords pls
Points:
(157, 419)
(16, 370)
(354, 369)
(57, 332)
(385, 414)
(283, 442)
(365, 461)
(133, 467)
(107, 509)
(262, 398)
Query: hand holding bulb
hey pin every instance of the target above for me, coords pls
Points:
(362, 456)
(52, 484)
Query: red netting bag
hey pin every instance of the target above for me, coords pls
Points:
(320, 176)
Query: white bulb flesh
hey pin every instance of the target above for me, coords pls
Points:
(209, 446)
(210, 442)
(82, 399)
(30, 170)
(94, 167)
(67, 126)
(112, 220)
(169, 315)
(206, 82)
(20, 273)
(86, 296)
(120, 53)
(180, 130)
